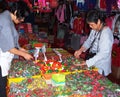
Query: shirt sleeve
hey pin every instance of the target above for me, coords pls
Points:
(105, 47)
(89, 40)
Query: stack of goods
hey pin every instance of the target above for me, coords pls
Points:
(85, 84)
(26, 27)
(28, 78)
(37, 88)
(25, 81)
(62, 62)
(91, 84)
(28, 88)
(23, 77)
(67, 65)
(27, 36)
(22, 69)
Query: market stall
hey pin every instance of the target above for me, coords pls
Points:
(57, 77)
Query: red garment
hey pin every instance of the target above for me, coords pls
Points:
(116, 55)
(109, 21)
(102, 4)
(53, 3)
(78, 25)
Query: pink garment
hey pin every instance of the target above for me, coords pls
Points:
(43, 3)
(60, 13)
(118, 2)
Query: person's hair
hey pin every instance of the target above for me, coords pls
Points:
(21, 8)
(94, 16)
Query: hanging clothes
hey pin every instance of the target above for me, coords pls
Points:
(102, 4)
(80, 4)
(53, 3)
(78, 25)
(92, 4)
(109, 21)
(60, 13)
(110, 4)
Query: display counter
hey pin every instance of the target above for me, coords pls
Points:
(55, 78)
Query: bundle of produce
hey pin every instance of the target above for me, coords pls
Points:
(23, 68)
(27, 87)
(92, 83)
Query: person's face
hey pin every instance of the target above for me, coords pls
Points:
(93, 25)
(17, 20)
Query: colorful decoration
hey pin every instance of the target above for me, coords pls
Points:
(42, 6)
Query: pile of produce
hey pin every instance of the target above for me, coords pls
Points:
(67, 65)
(92, 84)
(23, 68)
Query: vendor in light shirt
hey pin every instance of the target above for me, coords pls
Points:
(9, 45)
(99, 43)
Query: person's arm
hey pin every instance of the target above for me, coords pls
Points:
(78, 52)
(24, 50)
(105, 47)
(86, 45)
(24, 54)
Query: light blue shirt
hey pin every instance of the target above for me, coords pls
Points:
(8, 33)
(8, 40)
(102, 48)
